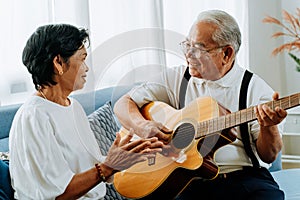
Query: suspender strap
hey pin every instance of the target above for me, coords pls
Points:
(244, 127)
(242, 105)
(183, 87)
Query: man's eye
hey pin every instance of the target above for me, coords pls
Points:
(198, 46)
(187, 44)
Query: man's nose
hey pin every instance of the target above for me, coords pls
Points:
(192, 53)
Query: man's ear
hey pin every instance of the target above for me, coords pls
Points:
(228, 54)
(58, 64)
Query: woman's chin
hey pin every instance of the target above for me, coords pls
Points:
(78, 87)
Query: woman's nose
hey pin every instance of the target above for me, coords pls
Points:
(86, 67)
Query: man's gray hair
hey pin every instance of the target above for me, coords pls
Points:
(228, 31)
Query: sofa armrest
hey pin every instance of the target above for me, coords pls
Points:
(288, 181)
(277, 164)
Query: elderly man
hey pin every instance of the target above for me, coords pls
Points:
(210, 50)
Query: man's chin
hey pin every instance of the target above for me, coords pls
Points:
(194, 73)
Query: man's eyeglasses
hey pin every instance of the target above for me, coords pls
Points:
(196, 51)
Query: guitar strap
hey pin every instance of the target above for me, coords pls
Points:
(244, 127)
(242, 105)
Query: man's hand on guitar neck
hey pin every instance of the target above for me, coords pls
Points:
(268, 117)
(269, 141)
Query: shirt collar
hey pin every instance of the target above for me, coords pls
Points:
(226, 81)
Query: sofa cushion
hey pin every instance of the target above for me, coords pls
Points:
(104, 126)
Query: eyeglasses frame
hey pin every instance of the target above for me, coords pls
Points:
(202, 51)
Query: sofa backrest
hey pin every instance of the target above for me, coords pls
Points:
(7, 114)
(90, 101)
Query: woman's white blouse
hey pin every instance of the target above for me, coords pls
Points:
(48, 144)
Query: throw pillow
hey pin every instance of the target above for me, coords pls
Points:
(104, 126)
(4, 155)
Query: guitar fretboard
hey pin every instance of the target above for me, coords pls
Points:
(246, 115)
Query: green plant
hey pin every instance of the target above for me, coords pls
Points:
(297, 60)
(291, 30)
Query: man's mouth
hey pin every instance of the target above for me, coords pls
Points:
(194, 64)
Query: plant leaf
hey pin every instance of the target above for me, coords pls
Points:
(272, 20)
(288, 47)
(277, 34)
(295, 45)
(288, 18)
(279, 49)
(297, 23)
(295, 58)
(291, 26)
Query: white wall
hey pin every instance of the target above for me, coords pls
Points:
(279, 71)
(270, 68)
(292, 76)
(19, 20)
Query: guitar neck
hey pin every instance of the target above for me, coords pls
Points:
(246, 115)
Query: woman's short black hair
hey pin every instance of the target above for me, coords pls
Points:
(47, 42)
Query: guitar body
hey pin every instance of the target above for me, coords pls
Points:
(168, 176)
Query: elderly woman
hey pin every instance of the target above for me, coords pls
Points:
(54, 154)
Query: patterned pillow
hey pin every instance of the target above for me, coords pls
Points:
(4, 155)
(104, 126)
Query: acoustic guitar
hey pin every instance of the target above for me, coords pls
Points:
(199, 129)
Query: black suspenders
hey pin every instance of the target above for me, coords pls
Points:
(183, 87)
(242, 105)
(244, 127)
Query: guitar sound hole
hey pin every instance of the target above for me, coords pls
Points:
(183, 135)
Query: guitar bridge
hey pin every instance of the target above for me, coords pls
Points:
(151, 161)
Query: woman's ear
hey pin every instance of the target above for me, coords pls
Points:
(57, 61)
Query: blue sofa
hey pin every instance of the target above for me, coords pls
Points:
(288, 179)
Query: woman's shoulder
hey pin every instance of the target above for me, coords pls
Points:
(36, 106)
(32, 105)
